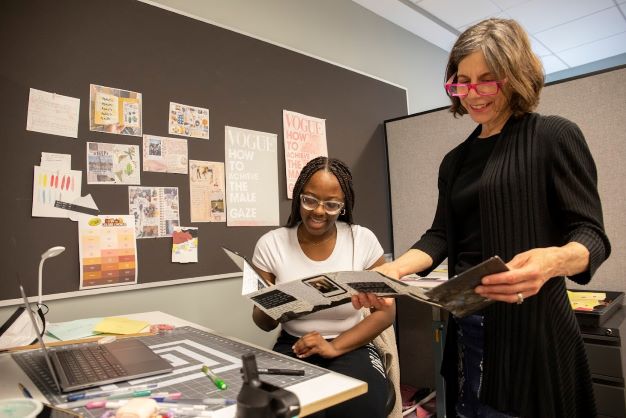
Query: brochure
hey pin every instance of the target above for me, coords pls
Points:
(292, 299)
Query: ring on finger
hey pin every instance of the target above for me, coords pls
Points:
(520, 298)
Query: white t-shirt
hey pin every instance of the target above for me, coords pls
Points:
(279, 252)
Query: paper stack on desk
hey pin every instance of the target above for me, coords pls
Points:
(119, 325)
(301, 297)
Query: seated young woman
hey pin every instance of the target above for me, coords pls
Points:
(320, 237)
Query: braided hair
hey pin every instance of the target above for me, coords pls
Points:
(332, 165)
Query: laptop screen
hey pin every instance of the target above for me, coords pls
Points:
(40, 339)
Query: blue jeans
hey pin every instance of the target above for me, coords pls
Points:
(471, 336)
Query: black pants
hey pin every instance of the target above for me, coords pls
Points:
(364, 364)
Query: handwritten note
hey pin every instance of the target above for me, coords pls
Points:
(106, 109)
(52, 113)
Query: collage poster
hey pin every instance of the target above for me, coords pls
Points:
(155, 210)
(164, 155)
(188, 121)
(305, 139)
(252, 178)
(107, 250)
(185, 244)
(114, 111)
(206, 190)
(112, 163)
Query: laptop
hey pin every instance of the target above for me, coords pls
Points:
(87, 366)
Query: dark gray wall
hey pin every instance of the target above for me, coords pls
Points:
(63, 46)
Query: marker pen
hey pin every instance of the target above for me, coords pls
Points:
(287, 372)
(217, 381)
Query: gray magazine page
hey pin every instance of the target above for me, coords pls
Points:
(457, 294)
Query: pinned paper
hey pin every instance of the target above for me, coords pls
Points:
(114, 111)
(185, 245)
(112, 163)
(52, 185)
(188, 120)
(54, 161)
(52, 113)
(107, 250)
(120, 325)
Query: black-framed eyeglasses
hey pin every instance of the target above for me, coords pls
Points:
(331, 207)
(485, 88)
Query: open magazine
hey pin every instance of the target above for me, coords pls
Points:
(290, 300)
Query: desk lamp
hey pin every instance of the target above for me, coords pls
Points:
(51, 252)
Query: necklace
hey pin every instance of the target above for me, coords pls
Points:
(315, 243)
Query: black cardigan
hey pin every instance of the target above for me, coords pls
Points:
(538, 189)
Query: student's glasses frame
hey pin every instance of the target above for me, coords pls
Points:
(331, 207)
(485, 88)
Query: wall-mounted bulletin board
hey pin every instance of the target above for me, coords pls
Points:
(64, 46)
(417, 143)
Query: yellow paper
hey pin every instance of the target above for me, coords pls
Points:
(117, 325)
(106, 109)
(585, 300)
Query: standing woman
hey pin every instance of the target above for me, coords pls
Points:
(522, 186)
(320, 237)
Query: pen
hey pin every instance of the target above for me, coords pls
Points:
(103, 393)
(124, 395)
(25, 391)
(286, 372)
(221, 385)
(205, 401)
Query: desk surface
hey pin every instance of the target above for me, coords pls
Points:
(314, 395)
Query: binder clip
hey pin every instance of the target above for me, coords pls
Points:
(258, 399)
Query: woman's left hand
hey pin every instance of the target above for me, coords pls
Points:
(529, 271)
(314, 343)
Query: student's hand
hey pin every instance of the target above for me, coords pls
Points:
(371, 301)
(314, 343)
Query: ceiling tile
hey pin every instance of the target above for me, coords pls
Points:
(595, 51)
(552, 64)
(539, 48)
(501, 15)
(539, 15)
(590, 28)
(451, 13)
(507, 4)
(406, 17)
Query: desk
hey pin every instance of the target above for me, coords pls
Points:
(314, 395)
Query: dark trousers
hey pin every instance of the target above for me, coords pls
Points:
(471, 341)
(364, 363)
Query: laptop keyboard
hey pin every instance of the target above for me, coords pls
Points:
(89, 364)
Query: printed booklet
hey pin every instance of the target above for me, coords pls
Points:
(301, 297)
